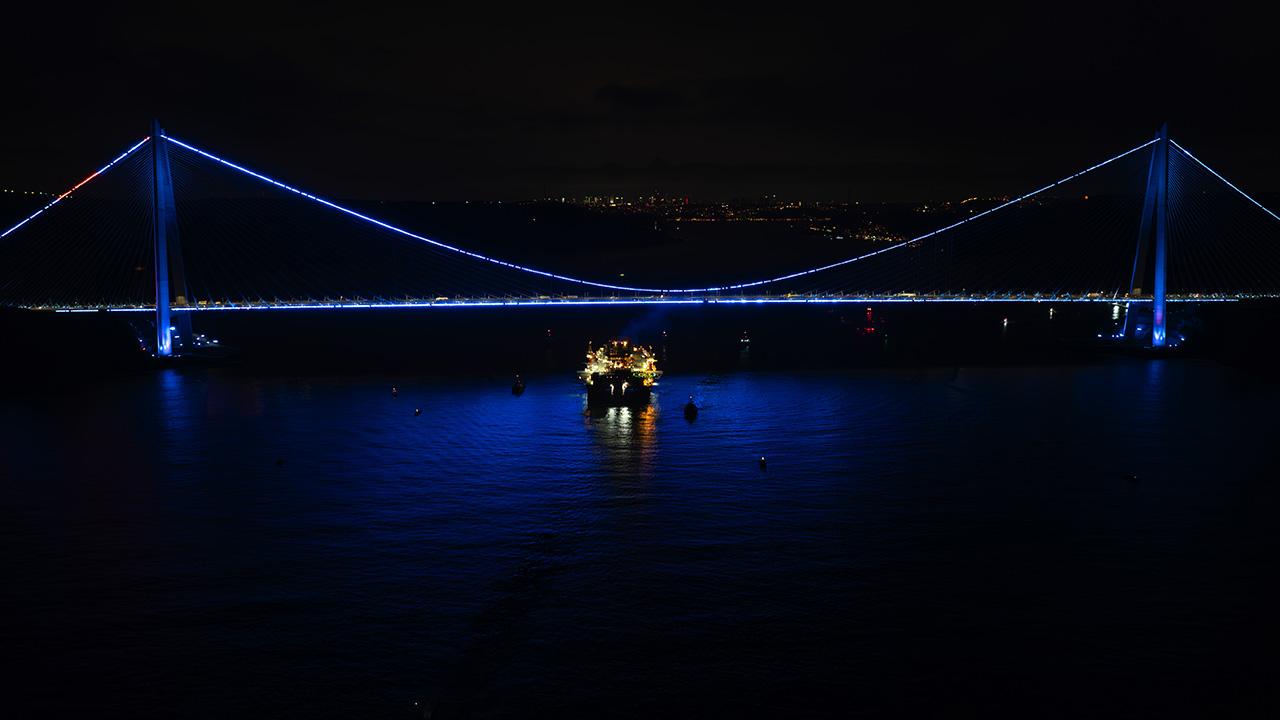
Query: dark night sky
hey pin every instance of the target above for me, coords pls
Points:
(354, 101)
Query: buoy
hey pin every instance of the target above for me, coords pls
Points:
(417, 412)
(690, 409)
(517, 387)
(395, 392)
(763, 464)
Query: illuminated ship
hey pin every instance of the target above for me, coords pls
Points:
(619, 373)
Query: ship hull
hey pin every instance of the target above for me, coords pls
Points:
(617, 390)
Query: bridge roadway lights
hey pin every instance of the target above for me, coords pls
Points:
(184, 311)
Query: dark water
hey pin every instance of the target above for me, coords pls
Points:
(944, 542)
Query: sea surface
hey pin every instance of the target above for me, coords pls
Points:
(1076, 541)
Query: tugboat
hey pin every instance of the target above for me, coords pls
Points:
(619, 373)
(690, 410)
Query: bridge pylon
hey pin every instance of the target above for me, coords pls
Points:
(1152, 250)
(168, 251)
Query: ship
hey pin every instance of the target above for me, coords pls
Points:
(619, 373)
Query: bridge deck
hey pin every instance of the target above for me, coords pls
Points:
(575, 301)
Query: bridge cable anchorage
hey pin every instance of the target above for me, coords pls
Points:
(660, 291)
(97, 173)
(1225, 181)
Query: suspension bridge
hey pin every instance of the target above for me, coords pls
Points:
(171, 230)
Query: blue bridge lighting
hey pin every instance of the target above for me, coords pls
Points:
(761, 291)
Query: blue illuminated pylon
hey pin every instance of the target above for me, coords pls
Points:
(1154, 229)
(165, 229)
(1162, 229)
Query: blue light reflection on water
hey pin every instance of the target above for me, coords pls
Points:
(306, 545)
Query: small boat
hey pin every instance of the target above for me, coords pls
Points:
(690, 409)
